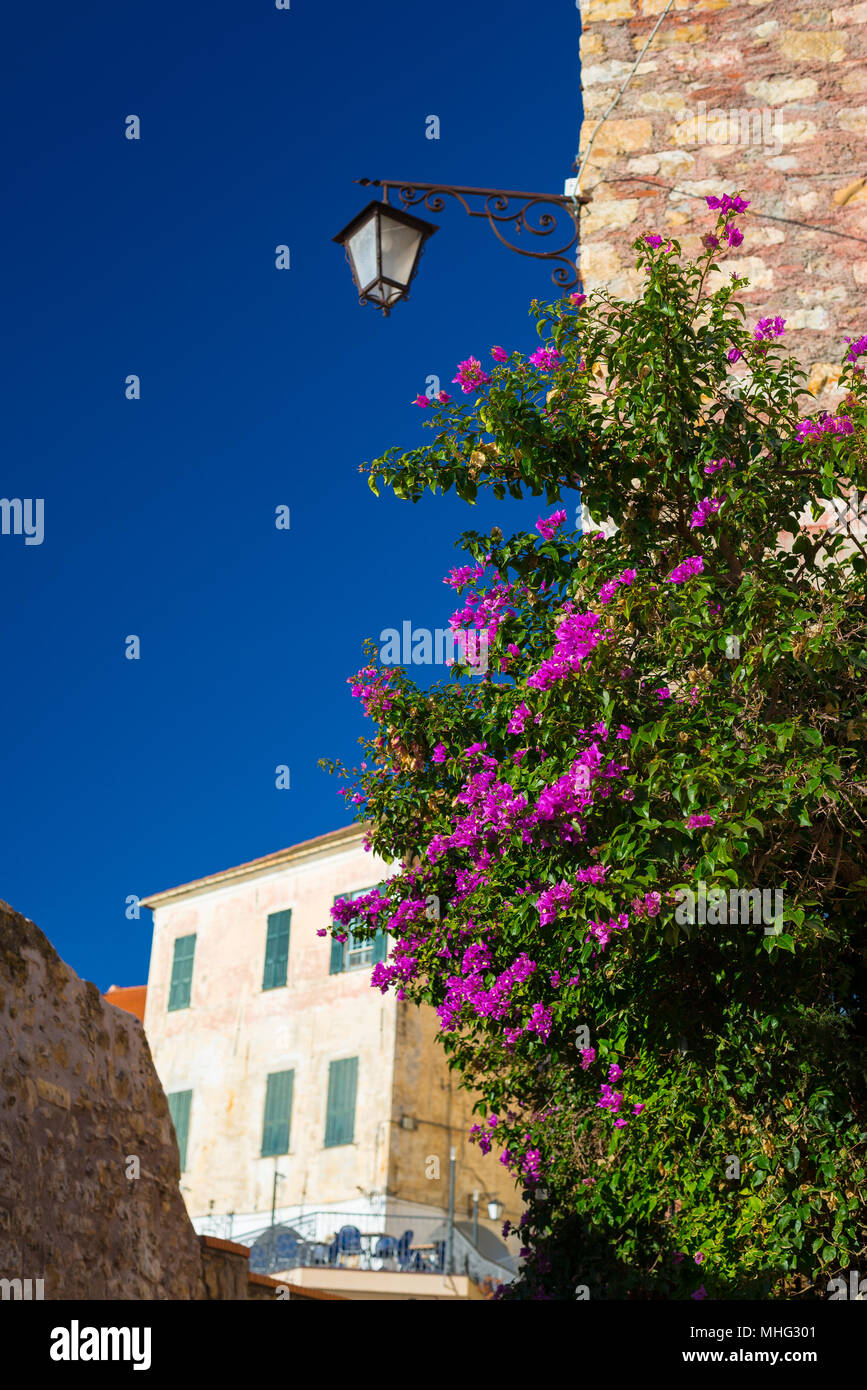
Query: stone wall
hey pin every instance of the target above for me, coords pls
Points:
(81, 1103)
(767, 96)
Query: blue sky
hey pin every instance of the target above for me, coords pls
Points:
(259, 388)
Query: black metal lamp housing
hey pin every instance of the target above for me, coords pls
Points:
(383, 245)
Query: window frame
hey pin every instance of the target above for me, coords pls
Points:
(372, 950)
(182, 1150)
(272, 916)
(277, 1152)
(175, 983)
(335, 1137)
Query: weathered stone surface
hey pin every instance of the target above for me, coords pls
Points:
(80, 1098)
(785, 87)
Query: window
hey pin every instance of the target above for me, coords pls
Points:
(340, 1109)
(179, 1109)
(182, 972)
(277, 950)
(353, 954)
(278, 1112)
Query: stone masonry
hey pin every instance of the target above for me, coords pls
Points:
(80, 1100)
(768, 97)
(89, 1200)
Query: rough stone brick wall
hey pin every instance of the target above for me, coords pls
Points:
(653, 160)
(78, 1094)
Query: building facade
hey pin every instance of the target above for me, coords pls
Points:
(290, 1080)
(764, 96)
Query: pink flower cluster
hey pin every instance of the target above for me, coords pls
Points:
(607, 592)
(725, 205)
(462, 575)
(424, 401)
(577, 636)
(469, 989)
(519, 718)
(550, 902)
(370, 686)
(547, 526)
(648, 906)
(483, 613)
(707, 507)
(716, 464)
(470, 375)
(856, 347)
(546, 359)
(769, 328)
(698, 822)
(824, 424)
(685, 570)
(601, 931)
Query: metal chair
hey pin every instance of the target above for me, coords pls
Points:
(403, 1255)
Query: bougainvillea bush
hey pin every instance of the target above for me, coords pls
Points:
(673, 706)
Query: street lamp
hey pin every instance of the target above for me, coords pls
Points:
(495, 1209)
(383, 243)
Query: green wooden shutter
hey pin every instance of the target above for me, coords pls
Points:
(182, 972)
(340, 1109)
(380, 945)
(278, 1112)
(179, 1109)
(277, 950)
(337, 957)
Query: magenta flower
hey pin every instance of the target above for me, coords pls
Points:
(698, 822)
(540, 1021)
(620, 1124)
(769, 328)
(577, 299)
(707, 507)
(734, 354)
(423, 401)
(637, 1109)
(653, 240)
(609, 1099)
(686, 570)
(699, 1257)
(824, 424)
(443, 397)
(710, 242)
(614, 1072)
(588, 1057)
(733, 235)
(470, 375)
(547, 526)
(856, 348)
(518, 719)
(546, 359)
(439, 754)
(499, 354)
(727, 204)
(606, 593)
(700, 1292)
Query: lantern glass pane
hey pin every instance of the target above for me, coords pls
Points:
(400, 246)
(362, 249)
